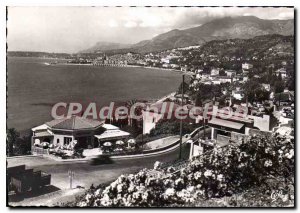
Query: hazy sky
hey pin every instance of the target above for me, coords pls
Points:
(70, 29)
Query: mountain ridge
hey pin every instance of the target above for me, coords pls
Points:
(243, 27)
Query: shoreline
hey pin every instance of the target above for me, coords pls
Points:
(137, 66)
(25, 129)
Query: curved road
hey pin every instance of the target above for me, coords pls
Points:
(85, 173)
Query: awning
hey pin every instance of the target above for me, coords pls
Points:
(226, 123)
(41, 127)
(42, 134)
(109, 127)
(111, 134)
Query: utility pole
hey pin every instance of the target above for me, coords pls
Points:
(182, 96)
(203, 122)
(143, 136)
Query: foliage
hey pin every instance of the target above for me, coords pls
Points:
(255, 92)
(205, 92)
(171, 127)
(217, 174)
(144, 138)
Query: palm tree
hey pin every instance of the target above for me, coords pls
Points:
(137, 110)
(11, 137)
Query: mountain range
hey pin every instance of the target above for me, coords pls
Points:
(242, 27)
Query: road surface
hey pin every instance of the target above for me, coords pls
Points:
(85, 174)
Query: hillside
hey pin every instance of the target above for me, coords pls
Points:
(105, 46)
(242, 27)
(266, 46)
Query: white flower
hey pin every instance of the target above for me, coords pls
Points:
(199, 193)
(267, 150)
(82, 204)
(157, 165)
(114, 184)
(120, 188)
(150, 181)
(136, 195)
(199, 186)
(290, 154)
(170, 169)
(168, 182)
(88, 197)
(285, 197)
(145, 196)
(208, 173)
(120, 179)
(241, 165)
(131, 188)
(197, 175)
(131, 177)
(220, 177)
(178, 181)
(170, 192)
(268, 163)
(191, 188)
(184, 194)
(106, 201)
(98, 192)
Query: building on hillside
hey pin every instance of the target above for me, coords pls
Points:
(61, 132)
(284, 98)
(112, 134)
(247, 66)
(237, 94)
(281, 72)
(159, 111)
(215, 71)
(226, 129)
(230, 73)
(266, 87)
(155, 112)
(225, 79)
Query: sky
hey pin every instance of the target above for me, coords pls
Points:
(71, 29)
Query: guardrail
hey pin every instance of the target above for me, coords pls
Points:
(39, 150)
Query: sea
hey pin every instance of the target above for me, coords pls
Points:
(33, 87)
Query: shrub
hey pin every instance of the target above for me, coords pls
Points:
(218, 173)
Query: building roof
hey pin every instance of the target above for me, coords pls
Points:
(74, 123)
(226, 123)
(110, 134)
(285, 96)
(109, 127)
(42, 134)
(41, 127)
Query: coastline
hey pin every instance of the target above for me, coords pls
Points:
(22, 120)
(112, 65)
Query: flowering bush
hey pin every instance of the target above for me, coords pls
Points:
(216, 174)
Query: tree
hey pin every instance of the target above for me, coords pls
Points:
(137, 111)
(206, 92)
(279, 86)
(22, 145)
(11, 138)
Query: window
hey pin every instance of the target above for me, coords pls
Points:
(67, 140)
(57, 141)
